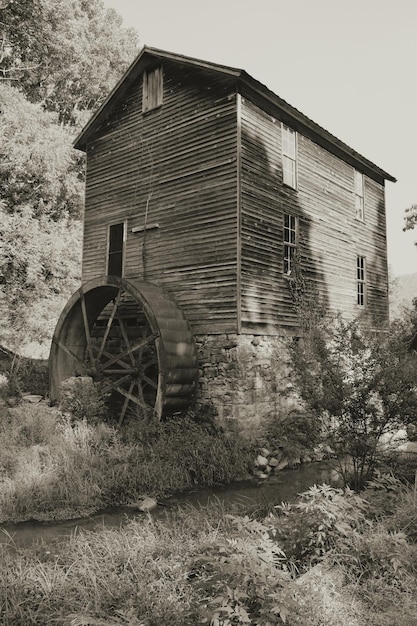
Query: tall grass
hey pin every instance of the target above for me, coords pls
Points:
(208, 565)
(52, 466)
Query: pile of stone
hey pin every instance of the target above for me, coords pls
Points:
(267, 463)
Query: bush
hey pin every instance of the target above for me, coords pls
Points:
(309, 528)
(26, 375)
(359, 384)
(295, 434)
(84, 399)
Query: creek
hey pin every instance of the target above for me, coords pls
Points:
(282, 487)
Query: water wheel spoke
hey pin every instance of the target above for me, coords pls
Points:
(130, 350)
(87, 328)
(125, 337)
(145, 407)
(125, 404)
(111, 372)
(152, 361)
(127, 394)
(109, 324)
(118, 381)
(123, 364)
(70, 353)
(148, 380)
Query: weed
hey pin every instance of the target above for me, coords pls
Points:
(53, 465)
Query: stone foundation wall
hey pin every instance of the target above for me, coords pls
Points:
(243, 377)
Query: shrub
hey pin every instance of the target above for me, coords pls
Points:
(26, 375)
(308, 528)
(295, 434)
(84, 399)
(359, 385)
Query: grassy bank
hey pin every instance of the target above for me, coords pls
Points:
(55, 467)
(330, 559)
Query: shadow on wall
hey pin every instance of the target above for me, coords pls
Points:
(275, 235)
(377, 314)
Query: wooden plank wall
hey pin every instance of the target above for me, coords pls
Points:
(330, 236)
(176, 164)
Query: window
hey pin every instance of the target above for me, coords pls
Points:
(361, 280)
(152, 89)
(290, 242)
(116, 248)
(289, 156)
(359, 204)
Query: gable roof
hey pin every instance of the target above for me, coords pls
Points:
(250, 88)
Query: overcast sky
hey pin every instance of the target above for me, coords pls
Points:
(350, 65)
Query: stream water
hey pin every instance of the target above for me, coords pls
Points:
(284, 486)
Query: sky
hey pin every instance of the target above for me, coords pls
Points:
(349, 65)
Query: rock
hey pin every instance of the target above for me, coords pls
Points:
(261, 461)
(146, 504)
(282, 464)
(265, 452)
(33, 398)
(273, 462)
(408, 446)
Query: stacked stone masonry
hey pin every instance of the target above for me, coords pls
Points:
(245, 378)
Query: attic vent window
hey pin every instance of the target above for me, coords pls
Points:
(152, 89)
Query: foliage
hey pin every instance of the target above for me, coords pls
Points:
(26, 375)
(246, 575)
(39, 268)
(293, 434)
(410, 217)
(218, 567)
(85, 466)
(84, 401)
(74, 52)
(310, 527)
(63, 58)
(39, 168)
(359, 385)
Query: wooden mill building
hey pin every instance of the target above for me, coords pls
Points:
(203, 184)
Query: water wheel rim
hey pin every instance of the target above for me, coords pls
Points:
(73, 337)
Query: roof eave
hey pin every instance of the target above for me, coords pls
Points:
(282, 108)
(314, 130)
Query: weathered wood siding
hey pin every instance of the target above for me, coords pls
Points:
(177, 166)
(330, 238)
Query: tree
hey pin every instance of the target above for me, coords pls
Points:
(58, 60)
(410, 217)
(38, 166)
(357, 384)
(75, 51)
(39, 268)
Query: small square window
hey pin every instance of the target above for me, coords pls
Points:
(289, 156)
(152, 89)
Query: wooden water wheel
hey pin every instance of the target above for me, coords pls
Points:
(134, 338)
